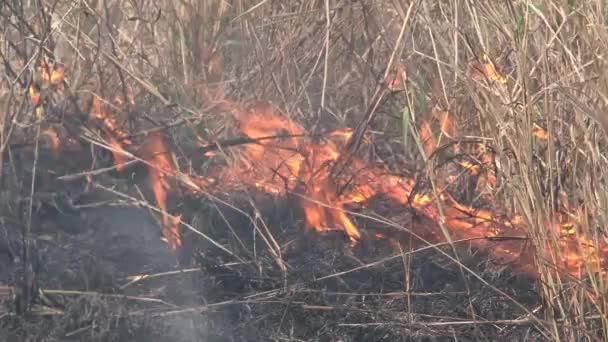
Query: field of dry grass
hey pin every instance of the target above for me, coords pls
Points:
(500, 104)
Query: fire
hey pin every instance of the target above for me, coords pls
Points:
(153, 150)
(540, 133)
(283, 159)
(51, 75)
(158, 158)
(48, 76)
(34, 95)
(160, 166)
(326, 179)
(162, 170)
(118, 138)
(294, 162)
(303, 165)
(281, 156)
(485, 69)
(101, 112)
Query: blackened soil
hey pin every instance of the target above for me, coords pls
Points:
(279, 282)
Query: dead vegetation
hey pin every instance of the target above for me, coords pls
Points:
(490, 116)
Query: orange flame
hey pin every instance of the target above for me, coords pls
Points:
(101, 112)
(160, 165)
(303, 165)
(47, 76)
(486, 69)
(540, 133)
(159, 162)
(116, 136)
(283, 159)
(51, 75)
(294, 163)
(34, 95)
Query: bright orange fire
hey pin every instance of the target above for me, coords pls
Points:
(540, 133)
(293, 163)
(154, 152)
(48, 76)
(51, 75)
(118, 139)
(160, 166)
(299, 164)
(283, 159)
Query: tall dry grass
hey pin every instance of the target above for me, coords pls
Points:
(321, 61)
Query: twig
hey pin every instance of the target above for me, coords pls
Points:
(107, 295)
(96, 172)
(525, 321)
(11, 289)
(384, 294)
(141, 277)
(326, 63)
(28, 276)
(244, 140)
(380, 93)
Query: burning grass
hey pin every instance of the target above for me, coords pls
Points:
(323, 165)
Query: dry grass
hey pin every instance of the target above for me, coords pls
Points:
(320, 61)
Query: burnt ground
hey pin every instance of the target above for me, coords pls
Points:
(84, 252)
